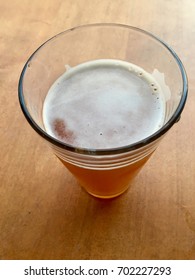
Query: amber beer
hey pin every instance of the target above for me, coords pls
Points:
(103, 105)
(106, 183)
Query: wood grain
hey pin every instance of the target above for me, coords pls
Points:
(44, 214)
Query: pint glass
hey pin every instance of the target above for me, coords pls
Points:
(104, 172)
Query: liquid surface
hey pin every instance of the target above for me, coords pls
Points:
(103, 104)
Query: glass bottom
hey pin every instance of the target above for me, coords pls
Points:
(108, 196)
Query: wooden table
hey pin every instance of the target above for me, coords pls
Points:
(44, 214)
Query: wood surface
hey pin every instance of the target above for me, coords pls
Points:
(44, 214)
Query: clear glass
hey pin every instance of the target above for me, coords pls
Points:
(104, 173)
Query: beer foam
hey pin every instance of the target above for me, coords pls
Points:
(103, 104)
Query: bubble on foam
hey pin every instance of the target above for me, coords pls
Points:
(104, 104)
(160, 79)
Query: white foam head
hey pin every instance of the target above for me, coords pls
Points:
(103, 104)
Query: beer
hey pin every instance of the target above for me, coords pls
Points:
(104, 104)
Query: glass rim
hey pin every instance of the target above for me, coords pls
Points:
(121, 149)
